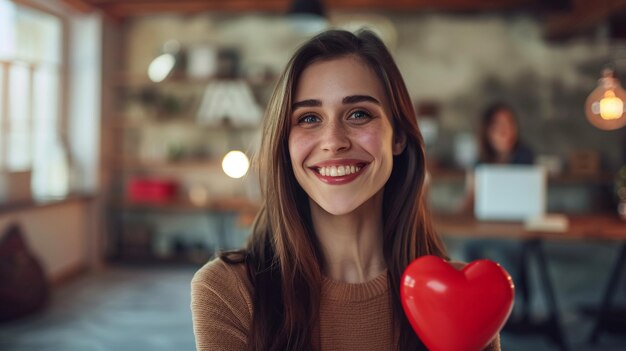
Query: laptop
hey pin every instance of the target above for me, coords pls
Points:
(509, 192)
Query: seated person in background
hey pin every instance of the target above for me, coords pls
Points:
(499, 144)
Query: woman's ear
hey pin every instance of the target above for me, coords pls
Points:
(399, 142)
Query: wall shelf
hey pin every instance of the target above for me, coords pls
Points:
(195, 165)
(181, 121)
(151, 124)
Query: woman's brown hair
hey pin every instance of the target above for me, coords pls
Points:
(283, 256)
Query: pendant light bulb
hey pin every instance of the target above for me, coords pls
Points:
(605, 105)
(235, 164)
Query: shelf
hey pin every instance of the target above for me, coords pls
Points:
(133, 166)
(142, 80)
(122, 122)
(156, 120)
(224, 204)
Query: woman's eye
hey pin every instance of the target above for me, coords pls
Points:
(359, 115)
(308, 119)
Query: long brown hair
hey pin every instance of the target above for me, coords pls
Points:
(283, 255)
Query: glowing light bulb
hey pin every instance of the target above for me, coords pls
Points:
(611, 107)
(161, 67)
(605, 105)
(235, 164)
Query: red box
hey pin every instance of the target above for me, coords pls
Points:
(152, 190)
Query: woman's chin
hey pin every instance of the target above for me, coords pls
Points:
(337, 208)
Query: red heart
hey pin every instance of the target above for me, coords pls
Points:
(452, 310)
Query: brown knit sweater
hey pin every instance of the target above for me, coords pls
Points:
(352, 316)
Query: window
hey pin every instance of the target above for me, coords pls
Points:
(30, 91)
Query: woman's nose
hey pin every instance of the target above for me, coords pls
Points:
(335, 137)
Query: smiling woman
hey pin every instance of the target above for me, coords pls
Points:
(342, 168)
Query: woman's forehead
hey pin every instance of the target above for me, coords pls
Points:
(332, 79)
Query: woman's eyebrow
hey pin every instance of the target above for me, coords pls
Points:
(352, 99)
(306, 103)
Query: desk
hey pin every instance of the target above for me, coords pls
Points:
(599, 226)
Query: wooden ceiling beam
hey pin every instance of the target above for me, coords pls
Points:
(82, 6)
(585, 16)
(137, 8)
(126, 8)
(429, 5)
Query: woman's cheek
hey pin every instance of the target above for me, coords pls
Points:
(299, 146)
(373, 141)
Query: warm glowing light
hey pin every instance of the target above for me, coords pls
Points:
(611, 107)
(235, 164)
(605, 105)
(161, 67)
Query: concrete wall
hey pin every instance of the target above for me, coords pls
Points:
(460, 62)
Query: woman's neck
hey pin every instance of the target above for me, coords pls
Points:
(352, 244)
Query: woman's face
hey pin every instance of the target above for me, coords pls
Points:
(502, 133)
(341, 138)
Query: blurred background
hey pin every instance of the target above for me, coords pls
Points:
(126, 130)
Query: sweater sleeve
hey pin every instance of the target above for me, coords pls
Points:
(221, 307)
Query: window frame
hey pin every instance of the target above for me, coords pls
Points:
(63, 98)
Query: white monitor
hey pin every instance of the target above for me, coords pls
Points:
(509, 192)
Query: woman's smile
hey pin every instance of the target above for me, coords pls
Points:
(339, 172)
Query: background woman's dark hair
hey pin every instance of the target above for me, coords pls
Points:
(487, 152)
(283, 255)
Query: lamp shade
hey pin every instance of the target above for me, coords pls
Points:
(605, 105)
(307, 17)
(229, 101)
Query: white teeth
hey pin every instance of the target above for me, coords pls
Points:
(341, 170)
(333, 171)
(338, 171)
